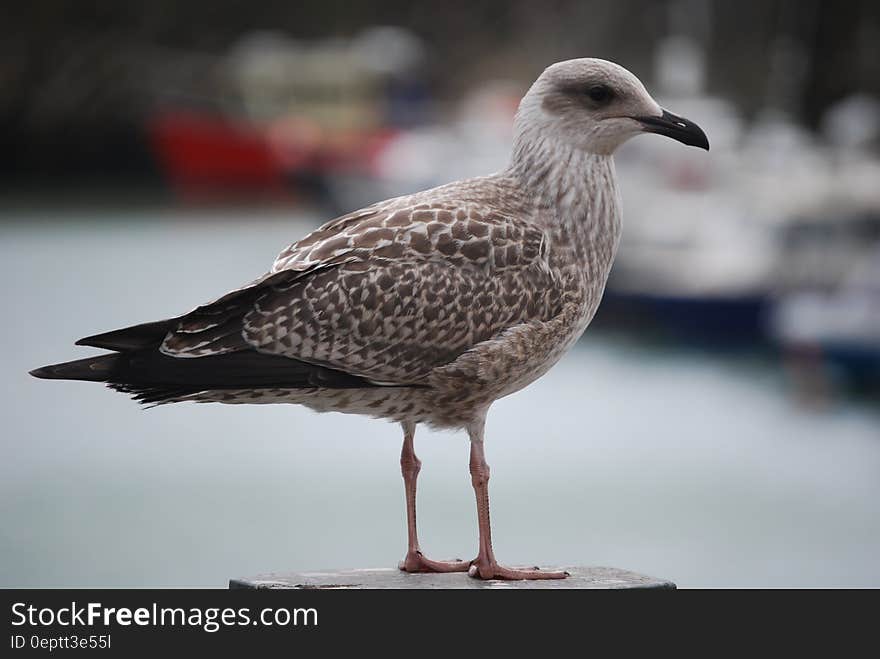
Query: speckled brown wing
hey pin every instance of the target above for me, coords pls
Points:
(387, 294)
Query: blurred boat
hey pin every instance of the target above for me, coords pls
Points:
(201, 152)
(206, 155)
(287, 117)
(828, 321)
(709, 248)
(474, 140)
(698, 251)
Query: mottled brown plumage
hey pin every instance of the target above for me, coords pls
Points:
(467, 299)
(425, 308)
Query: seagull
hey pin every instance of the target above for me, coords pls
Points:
(425, 308)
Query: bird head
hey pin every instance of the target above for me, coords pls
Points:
(597, 106)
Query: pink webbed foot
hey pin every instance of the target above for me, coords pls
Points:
(491, 570)
(416, 562)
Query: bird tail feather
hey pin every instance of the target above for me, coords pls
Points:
(90, 369)
(152, 377)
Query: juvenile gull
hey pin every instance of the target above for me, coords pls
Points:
(424, 308)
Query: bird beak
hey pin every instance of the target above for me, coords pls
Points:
(678, 128)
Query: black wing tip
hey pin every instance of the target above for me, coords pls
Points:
(136, 337)
(44, 373)
(106, 341)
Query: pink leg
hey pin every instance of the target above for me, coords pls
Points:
(485, 566)
(410, 466)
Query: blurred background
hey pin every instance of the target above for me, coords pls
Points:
(718, 425)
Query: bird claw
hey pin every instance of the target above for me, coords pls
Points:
(491, 570)
(416, 562)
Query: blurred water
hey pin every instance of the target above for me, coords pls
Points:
(685, 466)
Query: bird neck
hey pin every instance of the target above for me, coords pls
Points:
(575, 195)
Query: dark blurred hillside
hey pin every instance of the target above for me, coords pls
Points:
(78, 78)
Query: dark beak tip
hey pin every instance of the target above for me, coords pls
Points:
(700, 138)
(678, 128)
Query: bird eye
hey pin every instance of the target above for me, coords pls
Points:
(599, 93)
